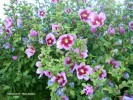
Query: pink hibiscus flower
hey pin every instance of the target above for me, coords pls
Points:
(33, 33)
(30, 51)
(41, 13)
(65, 41)
(88, 90)
(111, 30)
(8, 22)
(55, 27)
(84, 14)
(81, 54)
(68, 10)
(68, 61)
(131, 25)
(97, 20)
(115, 64)
(48, 74)
(54, 1)
(60, 78)
(50, 39)
(83, 71)
(103, 73)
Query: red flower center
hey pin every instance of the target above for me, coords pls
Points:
(84, 15)
(132, 25)
(97, 22)
(82, 70)
(56, 27)
(7, 30)
(68, 10)
(50, 41)
(42, 13)
(60, 80)
(32, 50)
(68, 61)
(66, 40)
(101, 74)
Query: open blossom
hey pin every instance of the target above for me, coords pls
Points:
(30, 51)
(131, 25)
(115, 64)
(55, 27)
(68, 61)
(97, 20)
(84, 14)
(81, 54)
(54, 1)
(68, 10)
(88, 90)
(33, 33)
(8, 22)
(103, 73)
(83, 71)
(14, 57)
(41, 13)
(48, 74)
(60, 78)
(65, 41)
(50, 39)
(43, 72)
(111, 30)
(38, 64)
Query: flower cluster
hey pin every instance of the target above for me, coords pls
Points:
(92, 18)
(59, 32)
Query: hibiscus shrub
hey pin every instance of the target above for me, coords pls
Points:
(67, 50)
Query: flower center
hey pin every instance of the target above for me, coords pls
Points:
(66, 40)
(84, 15)
(82, 70)
(42, 13)
(132, 26)
(97, 22)
(50, 41)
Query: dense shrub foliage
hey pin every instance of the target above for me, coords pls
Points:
(67, 50)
